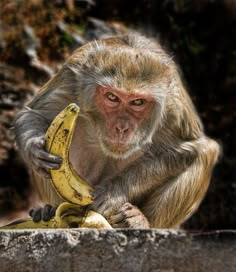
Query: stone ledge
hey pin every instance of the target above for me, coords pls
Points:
(84, 250)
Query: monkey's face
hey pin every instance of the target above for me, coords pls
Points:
(125, 117)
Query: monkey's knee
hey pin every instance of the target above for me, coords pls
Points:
(209, 152)
(44, 213)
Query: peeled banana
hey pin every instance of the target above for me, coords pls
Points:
(66, 181)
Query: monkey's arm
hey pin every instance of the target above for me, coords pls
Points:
(168, 188)
(31, 125)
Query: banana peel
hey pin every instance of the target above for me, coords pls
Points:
(58, 139)
(66, 181)
(67, 215)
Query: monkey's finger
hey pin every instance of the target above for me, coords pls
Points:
(126, 206)
(122, 224)
(47, 165)
(116, 226)
(53, 211)
(117, 218)
(131, 213)
(36, 214)
(48, 157)
(125, 212)
(48, 212)
(107, 213)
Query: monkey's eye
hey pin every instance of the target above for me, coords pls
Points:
(137, 102)
(112, 97)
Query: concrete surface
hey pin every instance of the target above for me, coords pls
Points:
(84, 250)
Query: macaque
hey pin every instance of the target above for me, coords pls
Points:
(138, 141)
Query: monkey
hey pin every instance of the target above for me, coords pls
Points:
(139, 141)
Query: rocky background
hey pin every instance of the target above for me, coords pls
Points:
(36, 36)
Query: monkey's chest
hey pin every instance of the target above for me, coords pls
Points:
(87, 160)
(87, 164)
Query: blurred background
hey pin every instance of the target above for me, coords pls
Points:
(36, 36)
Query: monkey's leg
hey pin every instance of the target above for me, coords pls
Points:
(178, 198)
(129, 216)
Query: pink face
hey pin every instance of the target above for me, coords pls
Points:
(123, 113)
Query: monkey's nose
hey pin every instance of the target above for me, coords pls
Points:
(121, 131)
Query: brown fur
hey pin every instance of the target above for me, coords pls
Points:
(168, 175)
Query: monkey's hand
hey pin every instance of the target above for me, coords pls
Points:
(41, 161)
(129, 216)
(45, 213)
(106, 200)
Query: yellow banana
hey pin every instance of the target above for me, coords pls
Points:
(67, 215)
(58, 139)
(66, 182)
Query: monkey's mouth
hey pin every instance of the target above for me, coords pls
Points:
(119, 150)
(117, 145)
